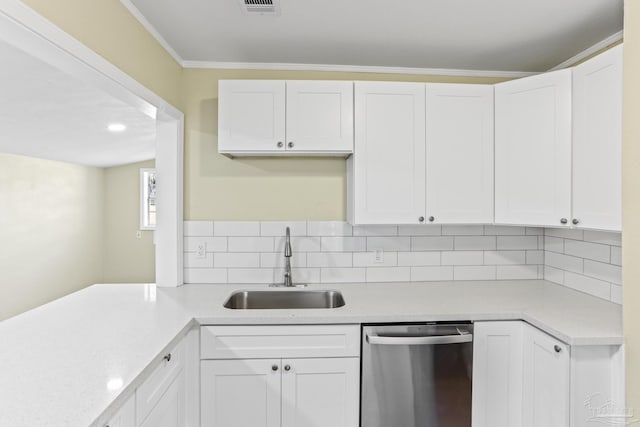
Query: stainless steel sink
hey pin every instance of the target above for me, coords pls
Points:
(284, 299)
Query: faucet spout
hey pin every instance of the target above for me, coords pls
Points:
(288, 280)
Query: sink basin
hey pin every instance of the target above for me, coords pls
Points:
(285, 299)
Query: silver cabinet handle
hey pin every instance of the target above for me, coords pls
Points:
(432, 218)
(290, 144)
(557, 348)
(274, 368)
(374, 339)
(421, 219)
(563, 220)
(575, 221)
(287, 368)
(167, 357)
(280, 144)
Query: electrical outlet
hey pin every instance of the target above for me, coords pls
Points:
(201, 250)
(379, 256)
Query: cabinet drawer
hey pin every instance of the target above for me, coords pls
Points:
(150, 392)
(246, 342)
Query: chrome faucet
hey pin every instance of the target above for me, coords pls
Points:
(288, 280)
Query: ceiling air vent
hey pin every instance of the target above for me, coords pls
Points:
(260, 7)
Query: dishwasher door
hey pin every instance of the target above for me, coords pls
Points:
(417, 375)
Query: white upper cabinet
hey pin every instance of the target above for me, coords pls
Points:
(533, 150)
(597, 141)
(320, 116)
(251, 116)
(274, 117)
(386, 175)
(459, 134)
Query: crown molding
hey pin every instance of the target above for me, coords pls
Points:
(152, 30)
(353, 69)
(589, 51)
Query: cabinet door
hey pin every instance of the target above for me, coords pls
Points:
(169, 411)
(126, 416)
(320, 116)
(597, 141)
(497, 374)
(387, 173)
(546, 380)
(251, 116)
(320, 392)
(460, 153)
(240, 393)
(533, 150)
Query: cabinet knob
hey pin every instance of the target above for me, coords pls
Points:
(575, 221)
(274, 368)
(280, 144)
(287, 368)
(421, 219)
(563, 220)
(557, 348)
(167, 357)
(432, 218)
(290, 144)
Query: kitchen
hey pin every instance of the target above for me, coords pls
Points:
(319, 188)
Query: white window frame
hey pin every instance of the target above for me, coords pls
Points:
(144, 207)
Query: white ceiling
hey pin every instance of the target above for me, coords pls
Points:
(505, 35)
(48, 114)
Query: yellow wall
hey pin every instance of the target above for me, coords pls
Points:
(219, 188)
(631, 201)
(51, 230)
(127, 259)
(108, 28)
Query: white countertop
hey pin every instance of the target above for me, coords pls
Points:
(56, 361)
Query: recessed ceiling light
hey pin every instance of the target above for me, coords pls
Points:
(116, 127)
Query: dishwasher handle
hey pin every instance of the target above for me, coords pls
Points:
(375, 339)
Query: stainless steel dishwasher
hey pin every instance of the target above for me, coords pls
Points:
(417, 375)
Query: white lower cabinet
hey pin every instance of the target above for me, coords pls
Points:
(523, 377)
(169, 411)
(126, 416)
(280, 391)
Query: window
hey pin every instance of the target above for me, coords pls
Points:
(147, 199)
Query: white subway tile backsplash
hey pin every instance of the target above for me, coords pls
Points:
(553, 274)
(329, 228)
(251, 275)
(517, 272)
(564, 262)
(564, 233)
(390, 274)
(343, 275)
(335, 252)
(417, 259)
(368, 259)
(212, 244)
(205, 275)
(616, 255)
(420, 230)
(534, 231)
(198, 228)
(191, 260)
(236, 228)
(441, 243)
(588, 250)
(463, 258)
(504, 230)
(375, 230)
(330, 259)
(389, 243)
(279, 228)
(595, 287)
(505, 257)
(462, 230)
(343, 244)
(482, 272)
(236, 260)
(616, 294)
(473, 243)
(431, 274)
(517, 242)
(250, 244)
(603, 237)
(554, 244)
(600, 270)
